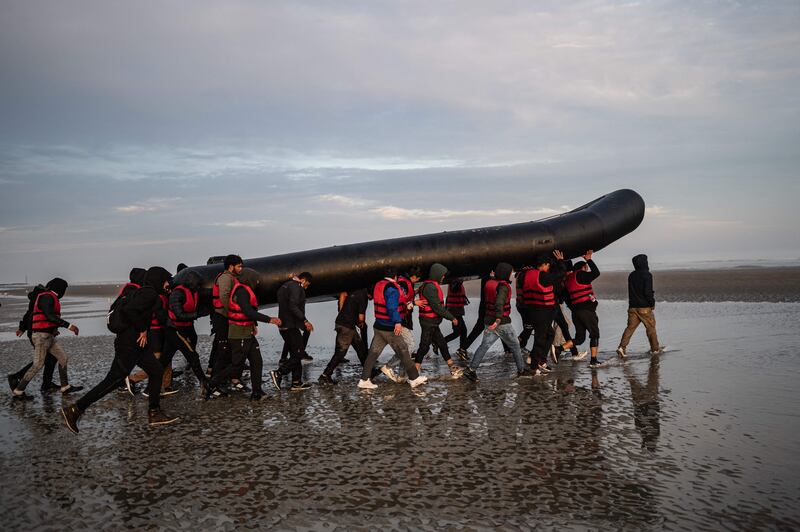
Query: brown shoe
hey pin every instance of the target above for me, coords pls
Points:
(71, 415)
(158, 417)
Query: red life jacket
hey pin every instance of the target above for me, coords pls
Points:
(534, 293)
(578, 293)
(215, 292)
(126, 286)
(425, 310)
(235, 314)
(154, 323)
(406, 295)
(39, 322)
(490, 296)
(456, 295)
(189, 306)
(379, 299)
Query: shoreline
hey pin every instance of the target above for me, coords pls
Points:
(767, 284)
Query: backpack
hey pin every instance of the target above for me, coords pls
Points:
(115, 320)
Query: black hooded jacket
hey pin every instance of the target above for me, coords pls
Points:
(177, 299)
(47, 304)
(640, 284)
(145, 301)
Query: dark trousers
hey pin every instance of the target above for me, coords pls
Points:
(184, 340)
(242, 349)
(431, 334)
(561, 321)
(219, 347)
(584, 315)
(460, 332)
(285, 350)
(127, 355)
(293, 339)
(539, 320)
(345, 338)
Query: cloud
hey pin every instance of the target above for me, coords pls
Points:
(244, 224)
(656, 210)
(149, 205)
(391, 212)
(345, 201)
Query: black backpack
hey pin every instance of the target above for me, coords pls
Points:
(116, 321)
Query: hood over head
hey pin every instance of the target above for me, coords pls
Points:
(137, 276)
(156, 276)
(180, 267)
(640, 263)
(192, 280)
(250, 277)
(502, 271)
(437, 272)
(58, 285)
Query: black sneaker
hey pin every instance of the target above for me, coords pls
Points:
(71, 415)
(50, 387)
(276, 378)
(594, 363)
(22, 397)
(326, 380)
(72, 389)
(169, 390)
(239, 387)
(211, 392)
(307, 358)
(470, 374)
(300, 386)
(177, 372)
(463, 355)
(526, 373)
(545, 369)
(158, 417)
(13, 381)
(257, 395)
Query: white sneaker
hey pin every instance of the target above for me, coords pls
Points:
(422, 379)
(621, 352)
(660, 350)
(528, 360)
(581, 355)
(390, 374)
(456, 371)
(366, 384)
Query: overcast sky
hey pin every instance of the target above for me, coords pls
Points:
(141, 133)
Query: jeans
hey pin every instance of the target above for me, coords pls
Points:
(508, 335)
(43, 343)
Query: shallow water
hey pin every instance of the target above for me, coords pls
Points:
(702, 437)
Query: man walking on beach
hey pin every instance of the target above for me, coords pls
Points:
(352, 310)
(292, 314)
(641, 306)
(131, 349)
(431, 314)
(497, 322)
(583, 303)
(45, 320)
(388, 329)
(220, 299)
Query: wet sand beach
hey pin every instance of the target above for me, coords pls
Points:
(702, 437)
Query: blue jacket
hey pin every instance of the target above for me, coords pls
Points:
(392, 303)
